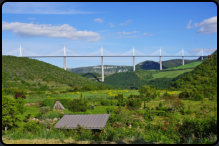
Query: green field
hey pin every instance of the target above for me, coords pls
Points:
(191, 110)
(159, 78)
(184, 112)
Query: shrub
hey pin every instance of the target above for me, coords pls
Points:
(32, 127)
(198, 129)
(133, 102)
(105, 102)
(110, 110)
(83, 134)
(147, 93)
(77, 105)
(10, 112)
(20, 105)
(53, 114)
(49, 102)
(44, 109)
(120, 99)
(192, 94)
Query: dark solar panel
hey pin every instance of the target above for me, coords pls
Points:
(97, 121)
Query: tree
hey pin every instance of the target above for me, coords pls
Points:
(133, 102)
(147, 93)
(10, 113)
(20, 105)
(120, 99)
(77, 105)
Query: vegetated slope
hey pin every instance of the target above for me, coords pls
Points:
(203, 79)
(33, 75)
(175, 62)
(158, 78)
(128, 80)
(186, 66)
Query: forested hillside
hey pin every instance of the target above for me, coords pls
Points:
(149, 65)
(30, 75)
(201, 82)
(157, 78)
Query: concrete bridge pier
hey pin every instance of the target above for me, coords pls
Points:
(160, 60)
(182, 60)
(160, 63)
(182, 57)
(64, 63)
(64, 58)
(102, 66)
(133, 59)
(202, 54)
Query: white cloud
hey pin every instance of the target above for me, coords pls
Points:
(126, 22)
(98, 20)
(41, 8)
(206, 26)
(127, 33)
(47, 30)
(148, 34)
(189, 25)
(111, 25)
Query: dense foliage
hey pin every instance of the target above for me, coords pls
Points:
(158, 78)
(20, 74)
(176, 62)
(149, 65)
(11, 108)
(201, 82)
(146, 115)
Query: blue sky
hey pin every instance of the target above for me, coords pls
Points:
(84, 27)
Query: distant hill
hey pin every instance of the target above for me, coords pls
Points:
(203, 79)
(149, 65)
(146, 65)
(108, 69)
(175, 62)
(158, 78)
(92, 76)
(30, 75)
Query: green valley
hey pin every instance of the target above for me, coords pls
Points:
(145, 106)
(157, 78)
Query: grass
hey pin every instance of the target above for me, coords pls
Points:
(186, 66)
(159, 78)
(195, 108)
(170, 74)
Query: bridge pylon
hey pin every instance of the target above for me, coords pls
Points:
(160, 60)
(64, 58)
(182, 57)
(102, 66)
(133, 59)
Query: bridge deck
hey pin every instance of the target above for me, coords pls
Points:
(106, 56)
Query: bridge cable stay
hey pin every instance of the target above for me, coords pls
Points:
(13, 52)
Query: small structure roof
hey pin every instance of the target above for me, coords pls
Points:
(58, 105)
(95, 121)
